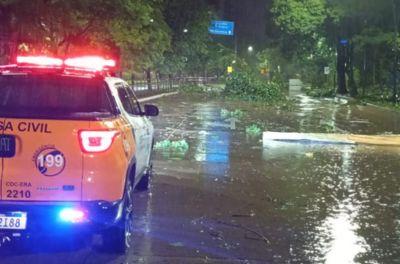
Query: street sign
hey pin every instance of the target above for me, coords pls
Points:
(327, 70)
(225, 28)
(229, 69)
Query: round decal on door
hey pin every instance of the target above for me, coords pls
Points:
(50, 161)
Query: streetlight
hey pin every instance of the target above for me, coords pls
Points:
(250, 49)
(185, 30)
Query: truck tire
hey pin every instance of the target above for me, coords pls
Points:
(118, 238)
(144, 182)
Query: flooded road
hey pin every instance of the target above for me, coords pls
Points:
(229, 200)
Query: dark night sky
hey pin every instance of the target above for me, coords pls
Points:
(251, 18)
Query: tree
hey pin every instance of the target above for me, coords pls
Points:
(133, 28)
(302, 39)
(299, 17)
(363, 33)
(142, 33)
(369, 28)
(189, 22)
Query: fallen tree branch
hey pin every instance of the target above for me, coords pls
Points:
(249, 230)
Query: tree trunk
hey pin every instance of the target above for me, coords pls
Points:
(395, 97)
(170, 81)
(373, 67)
(350, 71)
(363, 78)
(148, 78)
(341, 68)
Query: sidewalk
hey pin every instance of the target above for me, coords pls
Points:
(358, 101)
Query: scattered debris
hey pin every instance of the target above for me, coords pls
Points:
(226, 114)
(288, 106)
(217, 234)
(253, 130)
(309, 154)
(361, 121)
(180, 146)
(328, 127)
(248, 231)
(233, 121)
(177, 244)
(323, 138)
(244, 215)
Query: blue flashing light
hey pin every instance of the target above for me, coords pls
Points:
(72, 215)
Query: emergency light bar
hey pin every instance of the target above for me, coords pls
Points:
(39, 60)
(90, 63)
(84, 63)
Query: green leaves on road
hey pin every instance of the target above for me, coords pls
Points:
(180, 146)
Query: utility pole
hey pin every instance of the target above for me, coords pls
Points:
(236, 44)
(396, 52)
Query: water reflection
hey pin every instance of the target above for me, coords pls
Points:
(213, 151)
(315, 203)
(345, 244)
(324, 178)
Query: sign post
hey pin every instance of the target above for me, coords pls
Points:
(225, 28)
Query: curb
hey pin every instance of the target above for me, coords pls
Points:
(155, 97)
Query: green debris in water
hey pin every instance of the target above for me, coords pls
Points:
(225, 114)
(165, 144)
(289, 106)
(181, 146)
(253, 130)
(328, 127)
(174, 146)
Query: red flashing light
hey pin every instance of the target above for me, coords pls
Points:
(39, 60)
(85, 63)
(94, 63)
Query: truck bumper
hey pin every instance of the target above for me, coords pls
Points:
(44, 217)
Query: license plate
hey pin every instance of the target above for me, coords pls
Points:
(13, 221)
(7, 146)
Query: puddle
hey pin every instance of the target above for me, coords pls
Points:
(315, 203)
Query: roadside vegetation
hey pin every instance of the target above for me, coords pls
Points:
(346, 47)
(254, 130)
(249, 86)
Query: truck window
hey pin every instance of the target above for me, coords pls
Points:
(38, 96)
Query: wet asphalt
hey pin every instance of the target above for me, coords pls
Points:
(229, 199)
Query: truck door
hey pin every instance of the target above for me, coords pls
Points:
(133, 115)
